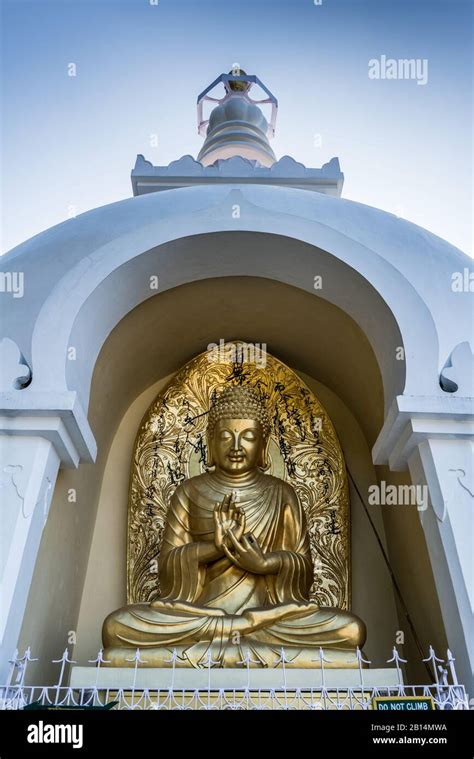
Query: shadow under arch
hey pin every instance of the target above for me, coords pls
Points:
(308, 333)
(111, 294)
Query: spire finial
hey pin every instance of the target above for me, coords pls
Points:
(237, 126)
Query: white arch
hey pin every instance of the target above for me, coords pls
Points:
(347, 231)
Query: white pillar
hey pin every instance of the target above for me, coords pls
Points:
(28, 467)
(38, 437)
(446, 467)
(433, 438)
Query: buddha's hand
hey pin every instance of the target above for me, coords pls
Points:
(247, 554)
(227, 516)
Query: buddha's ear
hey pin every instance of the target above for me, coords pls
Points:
(264, 459)
(209, 453)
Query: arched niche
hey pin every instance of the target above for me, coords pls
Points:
(81, 566)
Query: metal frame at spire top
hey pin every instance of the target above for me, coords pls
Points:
(225, 79)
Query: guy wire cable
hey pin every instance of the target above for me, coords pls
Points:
(393, 578)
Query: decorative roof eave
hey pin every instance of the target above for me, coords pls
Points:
(187, 172)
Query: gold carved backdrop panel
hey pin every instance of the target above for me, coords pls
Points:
(304, 450)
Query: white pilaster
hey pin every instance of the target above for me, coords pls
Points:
(434, 440)
(35, 440)
(28, 468)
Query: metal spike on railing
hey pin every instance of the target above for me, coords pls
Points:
(360, 662)
(20, 663)
(450, 662)
(209, 662)
(138, 660)
(434, 659)
(248, 661)
(63, 661)
(397, 659)
(172, 661)
(283, 660)
(322, 659)
(99, 660)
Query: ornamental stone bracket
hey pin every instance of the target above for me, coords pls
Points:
(15, 373)
(55, 416)
(457, 375)
(412, 419)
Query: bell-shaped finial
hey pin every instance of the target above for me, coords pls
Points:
(237, 126)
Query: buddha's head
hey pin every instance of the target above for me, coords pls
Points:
(238, 431)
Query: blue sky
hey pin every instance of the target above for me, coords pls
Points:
(69, 143)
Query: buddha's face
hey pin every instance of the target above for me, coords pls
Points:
(237, 445)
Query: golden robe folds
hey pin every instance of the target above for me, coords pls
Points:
(222, 611)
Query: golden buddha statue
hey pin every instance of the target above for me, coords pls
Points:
(235, 566)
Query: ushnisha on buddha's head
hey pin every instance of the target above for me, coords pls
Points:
(238, 431)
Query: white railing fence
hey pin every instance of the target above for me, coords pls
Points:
(445, 690)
